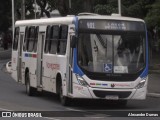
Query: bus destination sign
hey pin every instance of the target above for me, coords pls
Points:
(118, 25)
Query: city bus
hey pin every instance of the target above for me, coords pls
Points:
(82, 57)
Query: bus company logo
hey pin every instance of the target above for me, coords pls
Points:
(119, 85)
(53, 66)
(112, 85)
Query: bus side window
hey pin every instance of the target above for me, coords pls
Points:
(63, 39)
(54, 39)
(16, 37)
(31, 39)
(47, 42)
(25, 39)
(36, 39)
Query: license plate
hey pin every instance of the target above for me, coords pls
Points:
(112, 97)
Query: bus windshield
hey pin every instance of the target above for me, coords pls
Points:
(119, 53)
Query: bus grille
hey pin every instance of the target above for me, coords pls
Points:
(103, 94)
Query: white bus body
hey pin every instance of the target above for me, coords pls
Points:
(59, 70)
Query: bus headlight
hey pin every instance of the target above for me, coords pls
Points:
(141, 84)
(81, 81)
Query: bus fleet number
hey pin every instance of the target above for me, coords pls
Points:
(91, 25)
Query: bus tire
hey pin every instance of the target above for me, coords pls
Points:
(65, 101)
(29, 90)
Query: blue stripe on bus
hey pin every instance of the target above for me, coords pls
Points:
(26, 55)
(145, 72)
(76, 68)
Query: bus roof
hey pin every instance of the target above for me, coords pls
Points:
(110, 18)
(70, 20)
(46, 21)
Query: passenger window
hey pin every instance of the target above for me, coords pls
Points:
(25, 39)
(47, 42)
(31, 39)
(36, 39)
(63, 39)
(28, 38)
(16, 37)
(54, 39)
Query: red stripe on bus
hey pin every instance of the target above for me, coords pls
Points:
(34, 55)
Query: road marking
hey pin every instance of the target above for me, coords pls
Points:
(153, 95)
(95, 116)
(51, 118)
(72, 109)
(5, 109)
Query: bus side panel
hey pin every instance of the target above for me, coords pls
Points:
(53, 64)
(32, 70)
(23, 69)
(62, 62)
(14, 65)
(49, 73)
(29, 63)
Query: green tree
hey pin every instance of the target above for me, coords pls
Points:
(132, 8)
(5, 13)
(29, 9)
(153, 17)
(46, 6)
(137, 8)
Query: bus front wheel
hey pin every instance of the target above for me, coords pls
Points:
(65, 101)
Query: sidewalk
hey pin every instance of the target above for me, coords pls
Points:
(154, 85)
(154, 63)
(154, 76)
(154, 69)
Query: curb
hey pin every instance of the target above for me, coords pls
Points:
(155, 95)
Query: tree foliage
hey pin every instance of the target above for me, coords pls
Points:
(145, 9)
(5, 13)
(153, 17)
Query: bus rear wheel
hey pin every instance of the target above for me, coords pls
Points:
(29, 90)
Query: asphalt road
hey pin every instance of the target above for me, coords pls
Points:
(5, 54)
(14, 98)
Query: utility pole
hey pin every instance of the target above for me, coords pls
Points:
(119, 7)
(12, 20)
(70, 4)
(23, 10)
(35, 9)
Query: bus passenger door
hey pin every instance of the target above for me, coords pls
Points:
(19, 65)
(40, 60)
(70, 69)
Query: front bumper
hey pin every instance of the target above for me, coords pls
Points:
(99, 93)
